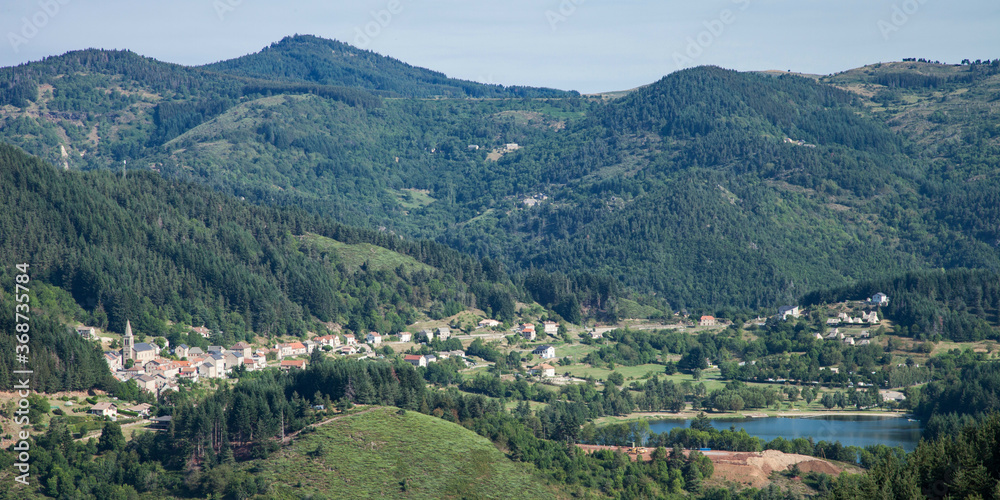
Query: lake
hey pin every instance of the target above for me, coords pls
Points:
(849, 430)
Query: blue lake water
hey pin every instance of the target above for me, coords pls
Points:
(849, 430)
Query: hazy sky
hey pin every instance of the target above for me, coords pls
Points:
(585, 45)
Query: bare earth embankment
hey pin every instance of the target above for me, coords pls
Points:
(744, 468)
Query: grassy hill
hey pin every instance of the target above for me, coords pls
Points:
(381, 454)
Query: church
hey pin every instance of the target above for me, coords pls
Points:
(142, 352)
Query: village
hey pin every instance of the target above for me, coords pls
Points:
(157, 367)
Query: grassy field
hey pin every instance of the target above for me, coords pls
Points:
(381, 454)
(711, 379)
(629, 372)
(576, 352)
(944, 346)
(412, 199)
(356, 255)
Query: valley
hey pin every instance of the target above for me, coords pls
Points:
(351, 277)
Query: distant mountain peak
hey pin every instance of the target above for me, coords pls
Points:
(312, 59)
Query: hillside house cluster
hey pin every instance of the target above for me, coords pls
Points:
(862, 338)
(869, 318)
(153, 373)
(426, 359)
(427, 335)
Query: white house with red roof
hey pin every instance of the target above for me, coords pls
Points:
(415, 359)
(292, 364)
(291, 349)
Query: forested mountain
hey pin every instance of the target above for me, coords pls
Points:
(709, 188)
(142, 248)
(306, 58)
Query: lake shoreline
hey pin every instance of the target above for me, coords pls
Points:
(850, 428)
(689, 415)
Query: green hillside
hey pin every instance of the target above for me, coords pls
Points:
(709, 188)
(948, 113)
(381, 454)
(142, 248)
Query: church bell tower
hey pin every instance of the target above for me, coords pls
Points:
(128, 342)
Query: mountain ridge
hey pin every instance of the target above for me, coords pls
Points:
(318, 60)
(715, 176)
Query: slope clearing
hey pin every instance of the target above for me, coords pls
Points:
(381, 454)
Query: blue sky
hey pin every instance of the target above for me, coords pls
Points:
(585, 45)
